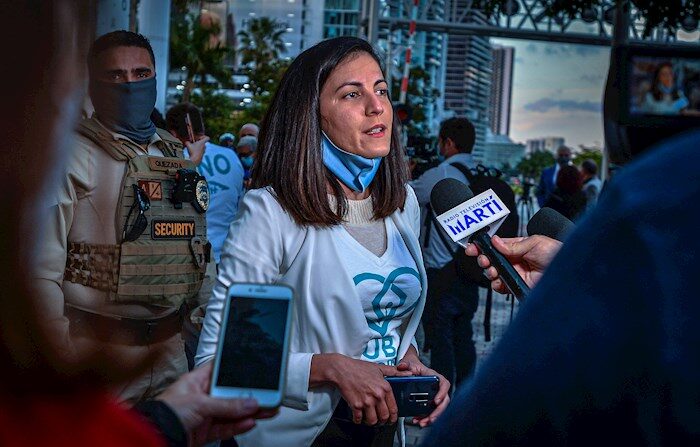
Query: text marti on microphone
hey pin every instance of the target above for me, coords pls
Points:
(485, 209)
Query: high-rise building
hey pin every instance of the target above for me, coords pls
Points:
(549, 144)
(427, 54)
(501, 89)
(468, 79)
(341, 18)
(303, 19)
(501, 151)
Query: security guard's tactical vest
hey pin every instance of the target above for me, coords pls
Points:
(164, 264)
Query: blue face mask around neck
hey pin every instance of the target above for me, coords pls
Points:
(355, 171)
(666, 90)
(126, 108)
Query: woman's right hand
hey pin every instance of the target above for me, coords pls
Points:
(361, 384)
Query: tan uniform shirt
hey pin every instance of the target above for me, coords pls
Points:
(83, 209)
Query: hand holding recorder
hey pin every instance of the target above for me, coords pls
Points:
(411, 363)
(362, 384)
(370, 389)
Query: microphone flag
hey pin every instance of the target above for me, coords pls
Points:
(483, 210)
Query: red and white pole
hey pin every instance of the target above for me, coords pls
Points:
(409, 49)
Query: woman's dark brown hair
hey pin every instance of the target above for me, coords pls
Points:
(289, 157)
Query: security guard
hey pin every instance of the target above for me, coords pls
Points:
(126, 233)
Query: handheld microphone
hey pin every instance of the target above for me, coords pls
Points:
(550, 223)
(450, 193)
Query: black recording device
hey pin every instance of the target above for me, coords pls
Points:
(414, 395)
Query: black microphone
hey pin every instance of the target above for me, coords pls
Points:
(550, 223)
(449, 193)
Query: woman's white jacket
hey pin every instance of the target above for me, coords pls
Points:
(264, 245)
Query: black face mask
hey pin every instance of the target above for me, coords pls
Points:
(563, 161)
(126, 108)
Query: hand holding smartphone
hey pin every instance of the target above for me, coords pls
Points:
(251, 357)
(414, 395)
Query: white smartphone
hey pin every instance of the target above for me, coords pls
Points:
(251, 357)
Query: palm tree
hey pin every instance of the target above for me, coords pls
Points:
(260, 48)
(193, 45)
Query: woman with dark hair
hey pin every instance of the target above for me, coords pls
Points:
(332, 216)
(664, 98)
(568, 197)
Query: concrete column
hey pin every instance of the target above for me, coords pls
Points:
(154, 23)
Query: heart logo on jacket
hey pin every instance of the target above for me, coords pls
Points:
(386, 309)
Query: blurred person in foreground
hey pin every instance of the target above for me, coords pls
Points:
(224, 174)
(604, 351)
(46, 397)
(331, 215)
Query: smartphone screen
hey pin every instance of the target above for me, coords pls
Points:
(252, 350)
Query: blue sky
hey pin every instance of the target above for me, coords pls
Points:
(557, 91)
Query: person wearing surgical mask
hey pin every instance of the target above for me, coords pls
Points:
(330, 213)
(109, 228)
(246, 153)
